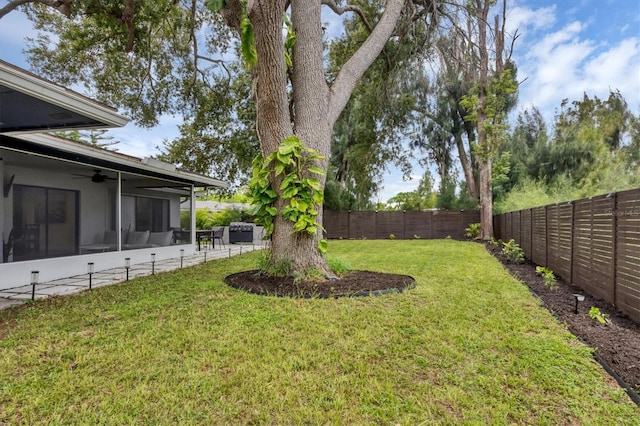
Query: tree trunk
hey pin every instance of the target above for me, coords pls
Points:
(486, 200)
(467, 168)
(316, 105)
(484, 160)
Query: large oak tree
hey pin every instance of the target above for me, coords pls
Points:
(116, 46)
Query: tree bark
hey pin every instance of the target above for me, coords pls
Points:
(486, 193)
(316, 105)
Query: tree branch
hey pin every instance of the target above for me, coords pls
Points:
(63, 6)
(356, 66)
(348, 8)
(127, 18)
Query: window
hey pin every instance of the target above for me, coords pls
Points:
(152, 214)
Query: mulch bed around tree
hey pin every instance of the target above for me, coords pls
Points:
(617, 343)
(354, 283)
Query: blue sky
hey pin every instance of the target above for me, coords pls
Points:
(565, 48)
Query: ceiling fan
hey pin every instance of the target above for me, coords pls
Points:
(96, 178)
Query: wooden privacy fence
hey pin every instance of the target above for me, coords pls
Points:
(592, 243)
(402, 224)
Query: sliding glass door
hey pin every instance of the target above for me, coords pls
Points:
(45, 222)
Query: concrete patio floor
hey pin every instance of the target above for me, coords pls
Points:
(19, 295)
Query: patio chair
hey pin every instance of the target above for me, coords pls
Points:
(218, 234)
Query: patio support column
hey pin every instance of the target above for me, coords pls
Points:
(119, 212)
(3, 235)
(192, 214)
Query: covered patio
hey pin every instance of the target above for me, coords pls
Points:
(66, 204)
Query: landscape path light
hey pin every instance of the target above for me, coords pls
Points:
(181, 257)
(35, 276)
(127, 265)
(579, 298)
(153, 263)
(90, 270)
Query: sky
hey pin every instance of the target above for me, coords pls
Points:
(566, 48)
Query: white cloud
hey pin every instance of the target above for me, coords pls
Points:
(141, 142)
(569, 62)
(616, 68)
(527, 20)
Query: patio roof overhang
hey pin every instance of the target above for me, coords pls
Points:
(29, 103)
(30, 106)
(50, 146)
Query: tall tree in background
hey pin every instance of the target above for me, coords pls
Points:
(370, 132)
(490, 101)
(442, 123)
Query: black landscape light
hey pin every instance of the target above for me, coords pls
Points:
(153, 263)
(181, 257)
(90, 270)
(579, 298)
(35, 275)
(127, 265)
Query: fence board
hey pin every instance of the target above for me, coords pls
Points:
(336, 224)
(627, 271)
(388, 223)
(539, 236)
(418, 224)
(362, 225)
(403, 225)
(593, 243)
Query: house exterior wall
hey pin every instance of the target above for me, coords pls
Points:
(19, 273)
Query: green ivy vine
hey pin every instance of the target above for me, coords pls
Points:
(304, 193)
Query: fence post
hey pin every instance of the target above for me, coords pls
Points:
(404, 224)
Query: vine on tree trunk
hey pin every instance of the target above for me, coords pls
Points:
(294, 163)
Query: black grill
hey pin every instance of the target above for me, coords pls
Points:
(240, 233)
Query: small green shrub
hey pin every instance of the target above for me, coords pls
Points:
(225, 217)
(548, 276)
(338, 265)
(472, 231)
(513, 251)
(599, 316)
(416, 237)
(494, 242)
(392, 237)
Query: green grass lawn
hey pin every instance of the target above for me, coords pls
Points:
(468, 345)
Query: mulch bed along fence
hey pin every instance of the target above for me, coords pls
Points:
(592, 243)
(404, 225)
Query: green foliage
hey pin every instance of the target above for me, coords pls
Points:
(338, 265)
(282, 268)
(292, 164)
(337, 197)
(226, 216)
(392, 237)
(513, 251)
(216, 5)
(598, 316)
(289, 41)
(591, 152)
(472, 231)
(454, 197)
(204, 219)
(548, 277)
